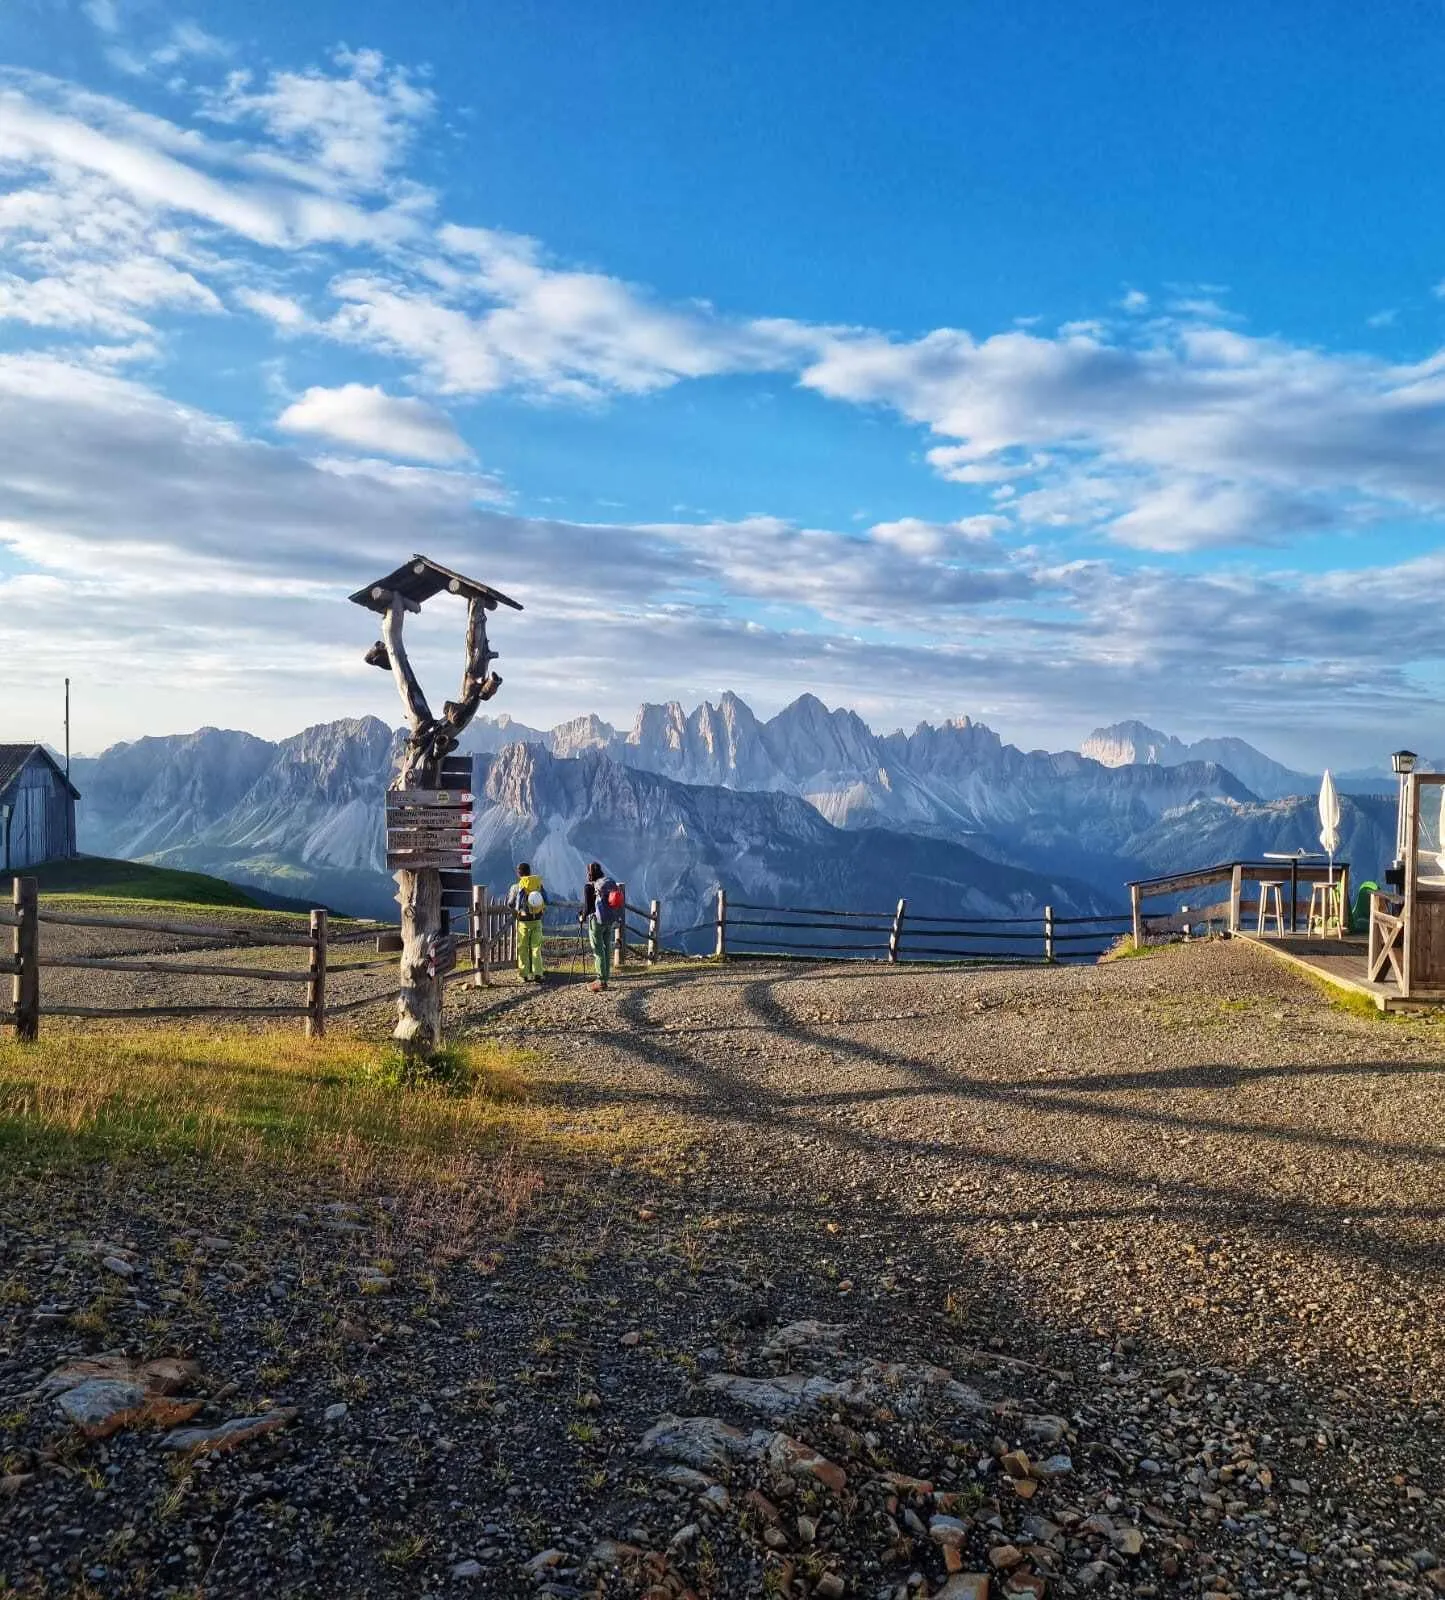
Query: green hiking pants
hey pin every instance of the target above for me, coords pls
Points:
(600, 936)
(529, 948)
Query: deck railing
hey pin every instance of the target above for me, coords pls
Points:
(1235, 913)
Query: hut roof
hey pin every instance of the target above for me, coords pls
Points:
(421, 578)
(14, 757)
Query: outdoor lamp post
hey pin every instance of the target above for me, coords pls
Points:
(1402, 764)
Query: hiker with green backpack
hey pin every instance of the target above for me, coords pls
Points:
(602, 907)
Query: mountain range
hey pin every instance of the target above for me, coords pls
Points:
(809, 806)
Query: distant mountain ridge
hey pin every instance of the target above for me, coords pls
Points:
(1126, 743)
(303, 816)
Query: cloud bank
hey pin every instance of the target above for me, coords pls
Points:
(1119, 479)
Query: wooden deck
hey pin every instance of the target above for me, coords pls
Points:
(1341, 962)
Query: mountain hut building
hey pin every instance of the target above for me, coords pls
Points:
(37, 808)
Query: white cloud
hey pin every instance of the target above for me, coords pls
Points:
(1197, 436)
(492, 313)
(200, 561)
(370, 419)
(356, 124)
(104, 14)
(288, 315)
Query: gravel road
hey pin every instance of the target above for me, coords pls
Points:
(1196, 1147)
(1116, 1279)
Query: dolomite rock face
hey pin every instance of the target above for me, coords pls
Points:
(809, 806)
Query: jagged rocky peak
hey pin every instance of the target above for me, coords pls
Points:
(336, 758)
(809, 738)
(581, 733)
(1125, 744)
(659, 727)
(511, 778)
(1136, 743)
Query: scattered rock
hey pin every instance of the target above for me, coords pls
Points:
(109, 1393)
(467, 1569)
(964, 1586)
(213, 1441)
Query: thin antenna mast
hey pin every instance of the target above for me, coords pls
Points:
(67, 730)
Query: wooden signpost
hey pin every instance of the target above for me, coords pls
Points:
(429, 811)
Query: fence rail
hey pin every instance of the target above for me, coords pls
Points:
(28, 917)
(803, 932)
(1235, 912)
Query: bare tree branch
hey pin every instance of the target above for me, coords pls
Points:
(407, 686)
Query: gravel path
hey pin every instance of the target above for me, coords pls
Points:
(1122, 1278)
(1196, 1147)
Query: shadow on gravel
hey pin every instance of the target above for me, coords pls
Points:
(1373, 1233)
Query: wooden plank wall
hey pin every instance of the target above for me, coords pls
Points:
(42, 827)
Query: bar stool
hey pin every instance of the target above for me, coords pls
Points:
(1271, 904)
(1324, 908)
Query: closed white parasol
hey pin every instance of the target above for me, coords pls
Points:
(1329, 819)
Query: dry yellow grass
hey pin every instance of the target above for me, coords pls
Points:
(271, 1097)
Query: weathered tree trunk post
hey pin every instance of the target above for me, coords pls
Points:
(1344, 903)
(419, 1002)
(721, 948)
(1236, 893)
(26, 986)
(1048, 933)
(654, 919)
(895, 936)
(1136, 911)
(316, 978)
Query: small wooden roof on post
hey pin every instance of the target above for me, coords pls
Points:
(420, 579)
(430, 741)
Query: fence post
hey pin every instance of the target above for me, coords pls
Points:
(1236, 894)
(316, 978)
(481, 954)
(1048, 933)
(619, 948)
(26, 988)
(896, 936)
(1344, 882)
(721, 948)
(1136, 910)
(654, 919)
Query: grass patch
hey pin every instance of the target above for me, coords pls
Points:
(1358, 1005)
(275, 1098)
(97, 877)
(1123, 949)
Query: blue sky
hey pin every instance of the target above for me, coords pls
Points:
(1052, 367)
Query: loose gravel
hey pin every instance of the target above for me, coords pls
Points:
(1051, 1281)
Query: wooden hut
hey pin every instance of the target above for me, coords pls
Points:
(1407, 927)
(37, 808)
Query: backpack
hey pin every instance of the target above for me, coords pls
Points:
(608, 900)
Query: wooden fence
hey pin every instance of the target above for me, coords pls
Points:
(746, 928)
(739, 928)
(27, 917)
(736, 929)
(493, 933)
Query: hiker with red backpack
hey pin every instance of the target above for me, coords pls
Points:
(602, 906)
